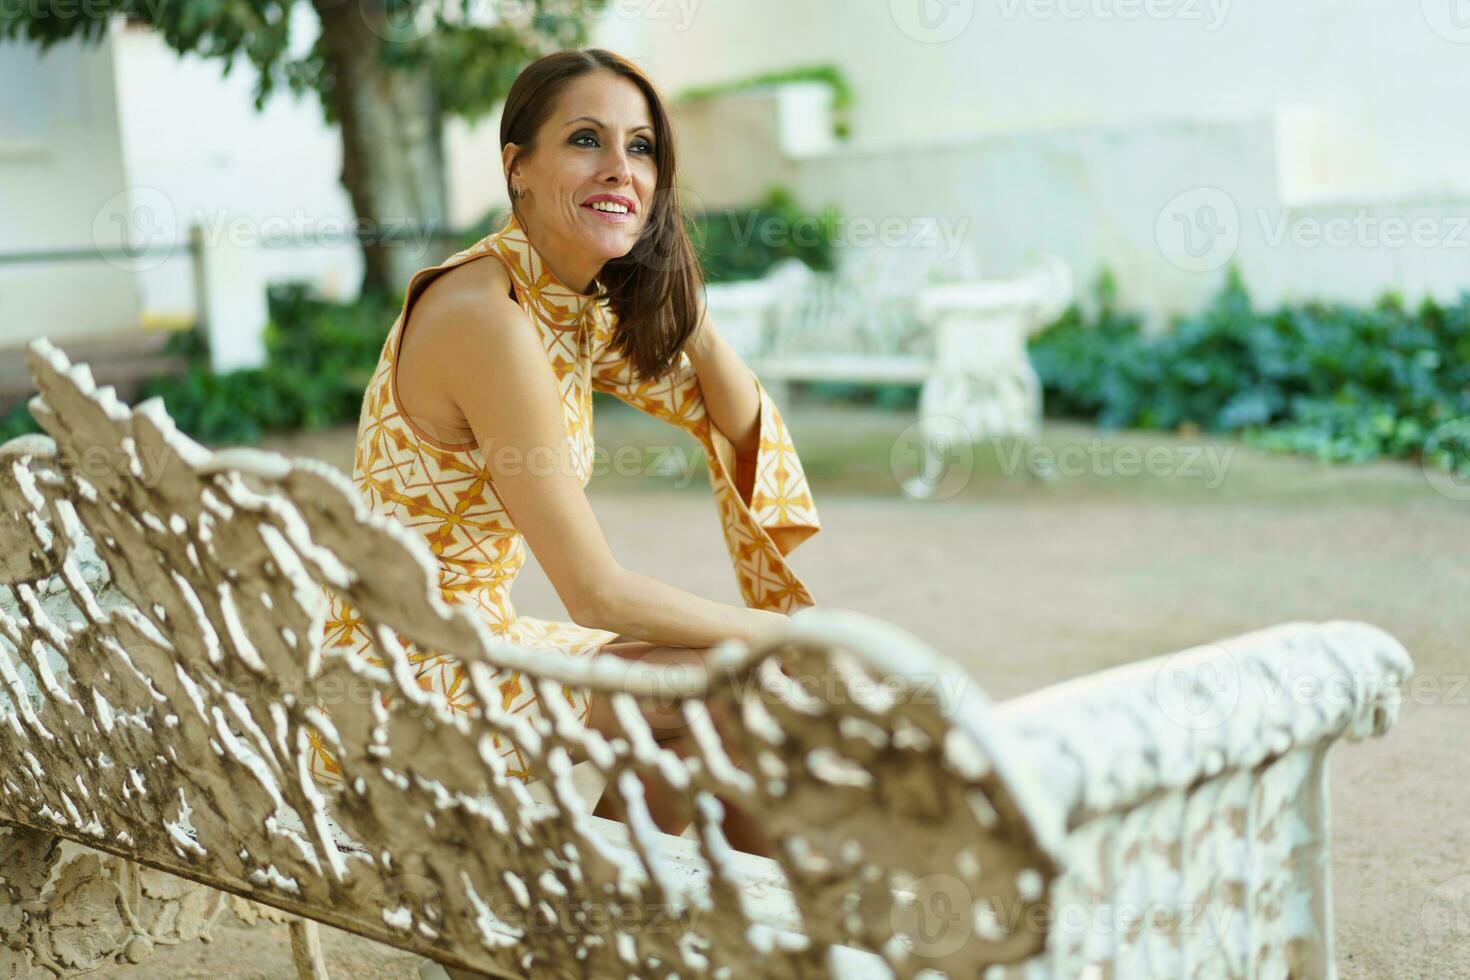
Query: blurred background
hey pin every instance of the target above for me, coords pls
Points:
(1104, 328)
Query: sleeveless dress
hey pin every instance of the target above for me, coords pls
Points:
(446, 493)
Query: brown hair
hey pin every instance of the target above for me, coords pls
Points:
(654, 291)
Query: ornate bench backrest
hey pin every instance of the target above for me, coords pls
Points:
(866, 306)
(166, 716)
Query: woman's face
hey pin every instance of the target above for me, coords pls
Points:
(597, 145)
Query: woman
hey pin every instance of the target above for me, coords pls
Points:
(593, 285)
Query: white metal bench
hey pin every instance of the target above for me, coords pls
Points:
(905, 315)
(160, 680)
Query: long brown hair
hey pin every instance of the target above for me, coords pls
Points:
(654, 291)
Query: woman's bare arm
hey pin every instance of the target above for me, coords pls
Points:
(487, 355)
(728, 386)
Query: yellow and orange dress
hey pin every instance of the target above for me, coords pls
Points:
(446, 493)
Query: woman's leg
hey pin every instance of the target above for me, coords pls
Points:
(668, 809)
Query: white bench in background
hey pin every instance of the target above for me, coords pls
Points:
(160, 679)
(909, 315)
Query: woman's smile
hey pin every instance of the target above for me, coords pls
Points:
(613, 209)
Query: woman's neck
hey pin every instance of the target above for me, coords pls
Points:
(579, 274)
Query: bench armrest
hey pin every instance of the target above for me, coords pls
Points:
(1110, 740)
(1194, 791)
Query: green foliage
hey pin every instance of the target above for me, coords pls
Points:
(895, 396)
(188, 343)
(191, 344)
(320, 356)
(842, 95)
(470, 65)
(1334, 381)
(17, 422)
(743, 243)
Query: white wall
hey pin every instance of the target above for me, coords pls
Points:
(192, 136)
(60, 173)
(1091, 129)
(194, 131)
(1389, 86)
(1165, 205)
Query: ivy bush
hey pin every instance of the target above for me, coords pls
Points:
(1338, 382)
(736, 244)
(319, 357)
(17, 421)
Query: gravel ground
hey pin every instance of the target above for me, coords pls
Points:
(1030, 582)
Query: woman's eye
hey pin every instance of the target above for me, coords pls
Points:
(641, 145)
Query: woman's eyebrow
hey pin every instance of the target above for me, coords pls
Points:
(602, 125)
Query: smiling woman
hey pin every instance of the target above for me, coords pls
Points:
(586, 133)
(593, 287)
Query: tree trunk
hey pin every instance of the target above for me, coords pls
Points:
(392, 152)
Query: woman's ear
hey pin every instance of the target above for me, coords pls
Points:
(507, 161)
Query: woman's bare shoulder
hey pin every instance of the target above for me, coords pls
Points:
(467, 299)
(457, 324)
(470, 287)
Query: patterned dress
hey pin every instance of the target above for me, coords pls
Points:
(445, 491)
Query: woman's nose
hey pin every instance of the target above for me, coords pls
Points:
(617, 165)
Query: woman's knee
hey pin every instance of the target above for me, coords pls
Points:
(665, 721)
